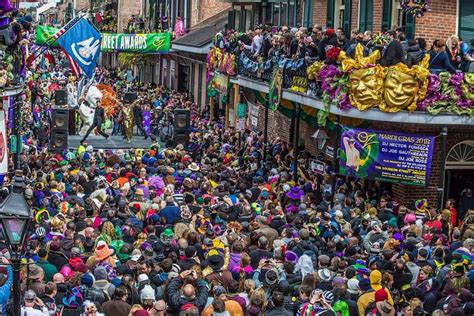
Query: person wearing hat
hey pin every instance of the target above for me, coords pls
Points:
(102, 282)
(117, 305)
(43, 263)
(36, 279)
(102, 254)
(366, 300)
(216, 263)
(31, 303)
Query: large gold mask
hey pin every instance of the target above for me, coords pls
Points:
(467, 87)
(365, 81)
(404, 86)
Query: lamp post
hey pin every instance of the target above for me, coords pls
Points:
(321, 138)
(15, 219)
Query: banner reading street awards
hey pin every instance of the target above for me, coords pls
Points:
(154, 43)
(386, 156)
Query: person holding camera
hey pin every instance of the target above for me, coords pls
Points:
(34, 306)
(187, 291)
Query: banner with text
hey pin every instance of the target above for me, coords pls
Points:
(386, 156)
(153, 43)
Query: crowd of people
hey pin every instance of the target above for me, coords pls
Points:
(266, 41)
(203, 229)
(210, 228)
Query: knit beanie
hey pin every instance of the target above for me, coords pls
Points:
(381, 295)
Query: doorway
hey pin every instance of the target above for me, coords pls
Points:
(459, 170)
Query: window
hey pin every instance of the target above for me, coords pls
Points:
(339, 14)
(366, 15)
(281, 12)
(339, 6)
(172, 74)
(393, 15)
(466, 20)
(164, 74)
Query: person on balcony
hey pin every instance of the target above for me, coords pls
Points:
(439, 60)
(414, 53)
(257, 42)
(393, 54)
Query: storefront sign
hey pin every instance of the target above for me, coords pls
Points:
(253, 109)
(3, 144)
(317, 166)
(386, 156)
(154, 43)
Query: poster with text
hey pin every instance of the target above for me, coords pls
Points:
(386, 156)
(3, 144)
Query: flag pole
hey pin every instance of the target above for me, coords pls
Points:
(52, 39)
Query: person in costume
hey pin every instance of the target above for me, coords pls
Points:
(127, 121)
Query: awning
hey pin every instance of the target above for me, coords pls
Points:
(199, 39)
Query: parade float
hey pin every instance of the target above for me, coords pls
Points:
(395, 107)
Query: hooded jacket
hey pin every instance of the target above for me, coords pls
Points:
(369, 296)
(5, 290)
(414, 55)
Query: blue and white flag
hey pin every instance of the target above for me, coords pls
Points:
(82, 43)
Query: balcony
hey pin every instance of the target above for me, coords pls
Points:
(444, 99)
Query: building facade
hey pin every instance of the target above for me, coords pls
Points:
(452, 165)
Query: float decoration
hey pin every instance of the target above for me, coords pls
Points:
(416, 8)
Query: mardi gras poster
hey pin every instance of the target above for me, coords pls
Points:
(386, 156)
(275, 88)
(220, 82)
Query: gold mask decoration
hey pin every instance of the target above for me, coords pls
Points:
(365, 82)
(404, 86)
(467, 87)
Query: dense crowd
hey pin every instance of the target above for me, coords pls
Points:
(203, 230)
(266, 41)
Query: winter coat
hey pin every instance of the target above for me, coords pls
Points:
(57, 259)
(5, 289)
(393, 54)
(176, 300)
(414, 55)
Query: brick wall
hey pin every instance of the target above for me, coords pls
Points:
(354, 15)
(319, 12)
(279, 125)
(439, 23)
(204, 9)
(377, 18)
(82, 4)
(127, 8)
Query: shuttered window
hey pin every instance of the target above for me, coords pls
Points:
(366, 15)
(386, 15)
(466, 20)
(346, 25)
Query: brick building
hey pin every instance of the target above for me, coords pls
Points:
(446, 17)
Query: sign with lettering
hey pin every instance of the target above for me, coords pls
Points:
(152, 43)
(386, 156)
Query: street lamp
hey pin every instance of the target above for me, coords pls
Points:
(321, 138)
(15, 219)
